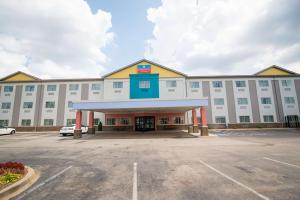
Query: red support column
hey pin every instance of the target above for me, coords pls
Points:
(195, 122)
(203, 116)
(91, 119)
(204, 128)
(77, 131)
(78, 119)
(91, 129)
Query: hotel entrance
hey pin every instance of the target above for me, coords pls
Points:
(145, 123)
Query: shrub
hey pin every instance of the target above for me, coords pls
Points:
(9, 178)
(13, 167)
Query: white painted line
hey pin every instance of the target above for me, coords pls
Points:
(134, 188)
(43, 183)
(285, 163)
(235, 181)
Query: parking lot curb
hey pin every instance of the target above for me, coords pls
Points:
(20, 186)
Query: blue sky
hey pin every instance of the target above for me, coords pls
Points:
(79, 38)
(131, 28)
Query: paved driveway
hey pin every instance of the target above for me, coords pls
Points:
(230, 165)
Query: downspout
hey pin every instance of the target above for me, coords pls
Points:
(276, 96)
(38, 107)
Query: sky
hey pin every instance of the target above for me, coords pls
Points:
(81, 39)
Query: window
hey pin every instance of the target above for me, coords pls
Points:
(8, 88)
(286, 83)
(27, 104)
(217, 84)
(244, 119)
(178, 120)
(96, 121)
(50, 104)
(124, 121)
(4, 122)
(70, 122)
(144, 84)
(96, 86)
(6, 105)
(110, 121)
(70, 104)
(194, 84)
(74, 87)
(51, 88)
(171, 83)
(268, 118)
(220, 119)
(164, 120)
(289, 100)
(263, 83)
(26, 122)
(266, 100)
(219, 101)
(29, 88)
(118, 84)
(240, 83)
(242, 101)
(48, 122)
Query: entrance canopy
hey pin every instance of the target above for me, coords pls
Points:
(149, 105)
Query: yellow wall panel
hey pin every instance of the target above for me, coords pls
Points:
(19, 77)
(273, 72)
(163, 73)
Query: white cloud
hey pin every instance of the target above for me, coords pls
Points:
(225, 36)
(53, 39)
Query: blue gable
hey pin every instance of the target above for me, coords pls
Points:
(152, 91)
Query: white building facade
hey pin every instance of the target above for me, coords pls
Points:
(269, 98)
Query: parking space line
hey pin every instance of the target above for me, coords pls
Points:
(235, 181)
(43, 183)
(285, 163)
(134, 188)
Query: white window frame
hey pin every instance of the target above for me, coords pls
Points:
(144, 84)
(29, 88)
(242, 101)
(118, 84)
(217, 84)
(51, 88)
(11, 88)
(219, 101)
(265, 98)
(171, 83)
(27, 103)
(262, 83)
(240, 84)
(96, 86)
(195, 84)
(74, 87)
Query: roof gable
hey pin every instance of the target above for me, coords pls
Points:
(275, 71)
(19, 76)
(163, 72)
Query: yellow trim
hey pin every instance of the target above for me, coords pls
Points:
(163, 73)
(273, 72)
(19, 77)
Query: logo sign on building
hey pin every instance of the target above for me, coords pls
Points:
(144, 68)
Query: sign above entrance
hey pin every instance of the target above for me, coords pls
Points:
(144, 68)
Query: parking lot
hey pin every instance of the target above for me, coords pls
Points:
(249, 164)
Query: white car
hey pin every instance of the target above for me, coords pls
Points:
(6, 130)
(69, 130)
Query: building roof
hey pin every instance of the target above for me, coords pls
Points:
(274, 71)
(147, 61)
(271, 71)
(111, 106)
(19, 76)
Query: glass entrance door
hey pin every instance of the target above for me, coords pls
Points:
(145, 123)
